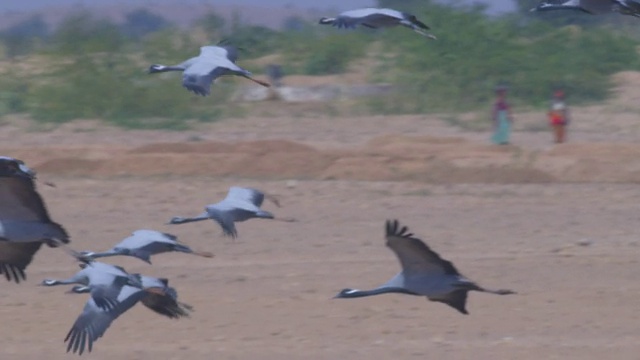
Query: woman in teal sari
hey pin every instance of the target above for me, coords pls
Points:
(502, 119)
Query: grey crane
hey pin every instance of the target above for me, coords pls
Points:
(594, 7)
(163, 300)
(94, 320)
(199, 72)
(105, 280)
(424, 273)
(142, 244)
(374, 18)
(240, 204)
(24, 221)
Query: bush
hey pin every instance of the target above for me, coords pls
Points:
(474, 53)
(13, 92)
(322, 52)
(81, 34)
(111, 88)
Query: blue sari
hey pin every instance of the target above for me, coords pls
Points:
(502, 123)
(502, 128)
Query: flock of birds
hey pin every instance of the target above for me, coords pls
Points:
(25, 224)
(198, 73)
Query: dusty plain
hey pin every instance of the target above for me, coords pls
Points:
(558, 224)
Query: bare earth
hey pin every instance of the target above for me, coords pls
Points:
(557, 224)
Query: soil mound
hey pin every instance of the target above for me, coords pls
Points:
(386, 158)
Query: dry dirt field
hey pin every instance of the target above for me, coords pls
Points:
(558, 224)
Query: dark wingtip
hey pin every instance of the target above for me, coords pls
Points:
(390, 226)
(13, 273)
(170, 236)
(394, 229)
(416, 22)
(231, 234)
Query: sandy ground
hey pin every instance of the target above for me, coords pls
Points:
(560, 228)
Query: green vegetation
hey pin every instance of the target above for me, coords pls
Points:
(92, 68)
(112, 89)
(474, 53)
(322, 53)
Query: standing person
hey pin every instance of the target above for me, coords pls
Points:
(559, 116)
(502, 119)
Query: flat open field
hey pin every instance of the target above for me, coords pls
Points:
(557, 224)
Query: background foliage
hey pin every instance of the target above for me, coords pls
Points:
(88, 67)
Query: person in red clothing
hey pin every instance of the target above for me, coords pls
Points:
(559, 116)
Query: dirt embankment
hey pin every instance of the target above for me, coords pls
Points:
(390, 157)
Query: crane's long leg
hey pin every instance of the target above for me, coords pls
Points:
(285, 219)
(471, 286)
(426, 34)
(263, 83)
(76, 254)
(187, 250)
(499, 291)
(267, 215)
(182, 220)
(273, 199)
(202, 253)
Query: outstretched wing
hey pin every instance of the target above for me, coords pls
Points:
(414, 255)
(14, 258)
(352, 18)
(596, 6)
(254, 196)
(456, 299)
(19, 200)
(93, 322)
(229, 51)
(414, 20)
(106, 296)
(224, 219)
(144, 237)
(23, 207)
(198, 78)
(207, 51)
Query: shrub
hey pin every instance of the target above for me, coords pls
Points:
(475, 52)
(111, 88)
